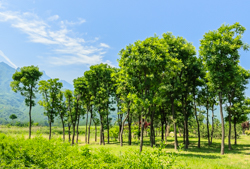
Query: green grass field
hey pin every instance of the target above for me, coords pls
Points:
(205, 157)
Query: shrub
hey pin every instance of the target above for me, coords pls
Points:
(247, 132)
(41, 153)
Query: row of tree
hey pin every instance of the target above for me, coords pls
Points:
(159, 79)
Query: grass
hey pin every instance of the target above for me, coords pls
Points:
(205, 157)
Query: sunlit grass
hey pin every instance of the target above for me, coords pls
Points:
(205, 157)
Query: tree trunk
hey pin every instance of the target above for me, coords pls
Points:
(73, 134)
(103, 141)
(69, 131)
(208, 137)
(186, 120)
(198, 124)
(139, 127)
(235, 132)
(212, 132)
(86, 129)
(175, 132)
(222, 125)
(108, 127)
(142, 128)
(152, 129)
(77, 127)
(162, 131)
(186, 131)
(121, 138)
(166, 131)
(95, 133)
(49, 129)
(229, 132)
(101, 135)
(129, 128)
(90, 124)
(63, 128)
(30, 121)
(179, 130)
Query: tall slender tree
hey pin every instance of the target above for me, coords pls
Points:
(25, 81)
(220, 51)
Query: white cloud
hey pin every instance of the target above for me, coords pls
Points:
(104, 45)
(71, 23)
(7, 59)
(68, 49)
(53, 18)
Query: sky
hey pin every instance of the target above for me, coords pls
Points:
(64, 38)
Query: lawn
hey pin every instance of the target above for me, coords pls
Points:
(205, 157)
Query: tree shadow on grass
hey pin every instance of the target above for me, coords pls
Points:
(199, 156)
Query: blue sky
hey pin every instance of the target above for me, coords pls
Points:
(65, 37)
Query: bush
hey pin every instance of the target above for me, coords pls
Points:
(41, 153)
(247, 132)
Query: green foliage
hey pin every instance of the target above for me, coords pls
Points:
(25, 81)
(13, 117)
(247, 132)
(114, 132)
(41, 153)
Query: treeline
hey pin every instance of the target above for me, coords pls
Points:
(160, 80)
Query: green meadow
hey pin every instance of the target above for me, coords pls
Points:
(205, 157)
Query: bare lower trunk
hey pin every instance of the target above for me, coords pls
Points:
(222, 125)
(208, 137)
(212, 132)
(235, 132)
(101, 135)
(166, 131)
(139, 128)
(121, 138)
(142, 128)
(162, 131)
(198, 124)
(152, 129)
(69, 131)
(77, 127)
(86, 129)
(179, 130)
(95, 133)
(108, 127)
(63, 128)
(30, 121)
(175, 132)
(184, 133)
(89, 128)
(103, 141)
(129, 129)
(73, 134)
(49, 130)
(229, 132)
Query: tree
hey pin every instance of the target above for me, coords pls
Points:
(13, 117)
(69, 104)
(145, 64)
(50, 90)
(220, 51)
(25, 81)
(62, 110)
(98, 79)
